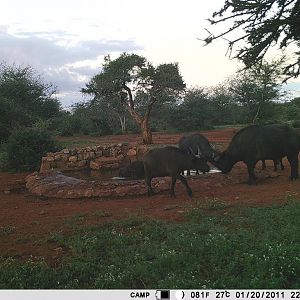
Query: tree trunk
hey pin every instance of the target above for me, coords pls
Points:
(256, 115)
(123, 123)
(142, 122)
(260, 104)
(146, 132)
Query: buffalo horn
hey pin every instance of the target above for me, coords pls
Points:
(192, 152)
(199, 152)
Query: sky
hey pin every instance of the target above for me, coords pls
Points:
(66, 40)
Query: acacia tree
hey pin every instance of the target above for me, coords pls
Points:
(130, 79)
(256, 88)
(264, 24)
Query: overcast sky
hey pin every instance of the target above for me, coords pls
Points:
(66, 40)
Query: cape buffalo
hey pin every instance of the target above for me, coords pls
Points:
(198, 145)
(171, 161)
(261, 142)
(134, 170)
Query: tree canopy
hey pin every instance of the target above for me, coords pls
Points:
(24, 99)
(255, 89)
(131, 82)
(263, 23)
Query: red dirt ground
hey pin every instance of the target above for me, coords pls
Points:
(27, 222)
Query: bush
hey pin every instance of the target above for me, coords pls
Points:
(3, 159)
(25, 148)
(296, 123)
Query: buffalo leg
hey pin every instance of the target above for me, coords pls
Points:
(281, 164)
(150, 191)
(275, 161)
(293, 160)
(252, 177)
(172, 192)
(184, 181)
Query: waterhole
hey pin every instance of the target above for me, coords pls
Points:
(112, 174)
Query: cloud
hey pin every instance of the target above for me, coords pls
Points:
(293, 88)
(58, 56)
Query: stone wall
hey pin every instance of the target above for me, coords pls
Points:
(95, 157)
(54, 184)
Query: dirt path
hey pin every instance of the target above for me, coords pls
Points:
(27, 222)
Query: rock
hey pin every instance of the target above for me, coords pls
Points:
(94, 165)
(66, 151)
(53, 184)
(45, 165)
(72, 159)
(73, 152)
(57, 157)
(72, 165)
(64, 157)
(274, 175)
(170, 207)
(86, 155)
(98, 153)
(104, 163)
(124, 148)
(82, 163)
(131, 152)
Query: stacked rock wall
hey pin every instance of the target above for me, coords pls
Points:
(95, 157)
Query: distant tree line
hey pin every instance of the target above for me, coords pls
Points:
(251, 96)
(129, 95)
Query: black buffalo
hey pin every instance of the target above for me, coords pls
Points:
(171, 161)
(134, 170)
(261, 142)
(198, 145)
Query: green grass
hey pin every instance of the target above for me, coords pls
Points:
(77, 218)
(102, 214)
(217, 247)
(7, 230)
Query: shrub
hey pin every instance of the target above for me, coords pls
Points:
(25, 148)
(296, 123)
(3, 159)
